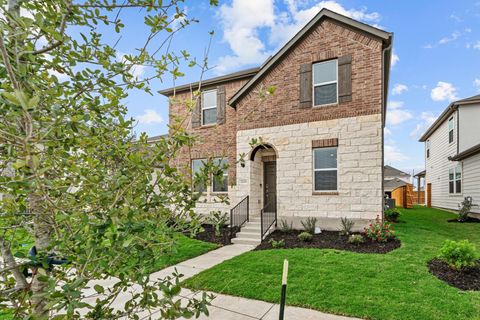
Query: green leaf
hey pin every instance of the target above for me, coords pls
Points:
(98, 288)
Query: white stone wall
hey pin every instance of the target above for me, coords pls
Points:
(359, 170)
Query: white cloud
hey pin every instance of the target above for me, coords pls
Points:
(476, 84)
(399, 89)
(476, 45)
(454, 36)
(135, 70)
(393, 154)
(243, 21)
(149, 116)
(426, 120)
(387, 131)
(397, 115)
(395, 58)
(444, 91)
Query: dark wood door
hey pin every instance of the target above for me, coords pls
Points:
(270, 186)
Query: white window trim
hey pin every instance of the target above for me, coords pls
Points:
(323, 169)
(208, 108)
(454, 169)
(452, 118)
(323, 83)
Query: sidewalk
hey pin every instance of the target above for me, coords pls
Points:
(223, 307)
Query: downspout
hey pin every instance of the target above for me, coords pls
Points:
(384, 116)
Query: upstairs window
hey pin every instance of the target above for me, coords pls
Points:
(325, 83)
(220, 179)
(325, 169)
(428, 148)
(455, 180)
(451, 127)
(209, 107)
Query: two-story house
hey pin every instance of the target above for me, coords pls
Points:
(322, 130)
(452, 155)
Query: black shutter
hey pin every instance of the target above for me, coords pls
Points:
(345, 79)
(306, 85)
(221, 105)
(197, 113)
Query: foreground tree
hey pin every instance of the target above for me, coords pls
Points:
(94, 202)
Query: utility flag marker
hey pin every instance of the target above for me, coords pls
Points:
(284, 289)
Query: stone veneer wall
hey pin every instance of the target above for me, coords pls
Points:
(359, 170)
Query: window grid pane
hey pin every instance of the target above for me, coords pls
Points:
(325, 72)
(325, 158)
(325, 169)
(209, 116)
(326, 180)
(325, 94)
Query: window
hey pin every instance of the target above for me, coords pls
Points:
(197, 167)
(451, 127)
(428, 148)
(325, 169)
(455, 180)
(209, 107)
(220, 180)
(325, 84)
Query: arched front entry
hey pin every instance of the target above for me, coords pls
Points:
(263, 177)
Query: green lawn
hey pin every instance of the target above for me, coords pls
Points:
(396, 285)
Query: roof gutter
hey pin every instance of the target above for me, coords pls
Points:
(386, 61)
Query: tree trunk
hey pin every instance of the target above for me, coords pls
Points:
(11, 264)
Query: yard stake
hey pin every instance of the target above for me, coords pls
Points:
(284, 289)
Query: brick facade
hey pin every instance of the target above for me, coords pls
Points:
(355, 126)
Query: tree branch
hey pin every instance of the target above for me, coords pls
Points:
(7, 64)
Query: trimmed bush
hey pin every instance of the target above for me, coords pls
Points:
(379, 231)
(356, 239)
(392, 214)
(305, 236)
(459, 254)
(285, 227)
(277, 244)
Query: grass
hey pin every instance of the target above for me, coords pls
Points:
(396, 285)
(185, 248)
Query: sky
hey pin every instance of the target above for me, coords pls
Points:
(436, 56)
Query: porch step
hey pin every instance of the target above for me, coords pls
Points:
(250, 233)
(246, 241)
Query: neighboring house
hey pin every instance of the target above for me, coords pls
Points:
(452, 155)
(322, 130)
(394, 179)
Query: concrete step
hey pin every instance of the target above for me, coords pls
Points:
(249, 234)
(252, 242)
(247, 237)
(252, 229)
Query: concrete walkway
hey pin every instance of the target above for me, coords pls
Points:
(223, 307)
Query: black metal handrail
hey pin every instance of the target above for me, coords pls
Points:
(267, 219)
(239, 214)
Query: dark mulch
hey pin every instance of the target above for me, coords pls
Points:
(328, 240)
(209, 235)
(466, 279)
(469, 220)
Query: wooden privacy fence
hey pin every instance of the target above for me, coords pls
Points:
(404, 196)
(415, 197)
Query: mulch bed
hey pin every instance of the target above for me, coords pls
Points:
(209, 235)
(467, 279)
(469, 220)
(328, 240)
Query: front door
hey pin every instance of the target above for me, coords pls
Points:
(270, 186)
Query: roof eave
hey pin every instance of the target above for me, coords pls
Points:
(466, 154)
(247, 73)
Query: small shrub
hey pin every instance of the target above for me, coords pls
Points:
(285, 227)
(464, 208)
(218, 220)
(379, 231)
(309, 225)
(392, 215)
(459, 254)
(305, 236)
(277, 244)
(347, 226)
(356, 239)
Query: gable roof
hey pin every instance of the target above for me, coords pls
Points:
(386, 37)
(243, 74)
(390, 171)
(390, 185)
(447, 113)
